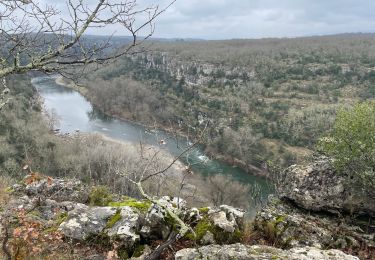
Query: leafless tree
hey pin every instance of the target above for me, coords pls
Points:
(148, 173)
(50, 38)
(224, 190)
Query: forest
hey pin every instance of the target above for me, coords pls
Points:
(28, 138)
(266, 100)
(265, 104)
(125, 136)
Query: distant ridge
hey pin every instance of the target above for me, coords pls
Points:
(160, 39)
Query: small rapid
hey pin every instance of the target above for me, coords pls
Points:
(75, 113)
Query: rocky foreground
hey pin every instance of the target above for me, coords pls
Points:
(98, 225)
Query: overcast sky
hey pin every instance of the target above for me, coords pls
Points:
(227, 19)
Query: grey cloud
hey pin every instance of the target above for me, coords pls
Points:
(267, 18)
(222, 19)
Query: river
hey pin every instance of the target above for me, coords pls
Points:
(76, 113)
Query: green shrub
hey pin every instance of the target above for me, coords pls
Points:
(352, 143)
(99, 196)
(200, 230)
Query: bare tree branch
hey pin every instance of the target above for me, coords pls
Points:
(3, 95)
(185, 151)
(183, 227)
(46, 39)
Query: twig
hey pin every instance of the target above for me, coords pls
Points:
(157, 252)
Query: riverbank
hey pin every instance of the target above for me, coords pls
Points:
(249, 169)
(60, 80)
(142, 160)
(84, 92)
(75, 112)
(147, 151)
(178, 168)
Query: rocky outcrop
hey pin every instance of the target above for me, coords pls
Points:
(54, 189)
(125, 222)
(194, 73)
(243, 252)
(155, 225)
(84, 221)
(318, 187)
(117, 224)
(130, 224)
(127, 227)
(288, 226)
(227, 218)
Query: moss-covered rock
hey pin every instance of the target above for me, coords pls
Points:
(282, 224)
(114, 219)
(143, 205)
(204, 210)
(85, 221)
(205, 226)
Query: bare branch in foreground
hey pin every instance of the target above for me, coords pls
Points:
(48, 39)
(184, 228)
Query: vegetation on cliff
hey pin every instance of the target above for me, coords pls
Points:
(265, 99)
(27, 138)
(352, 144)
